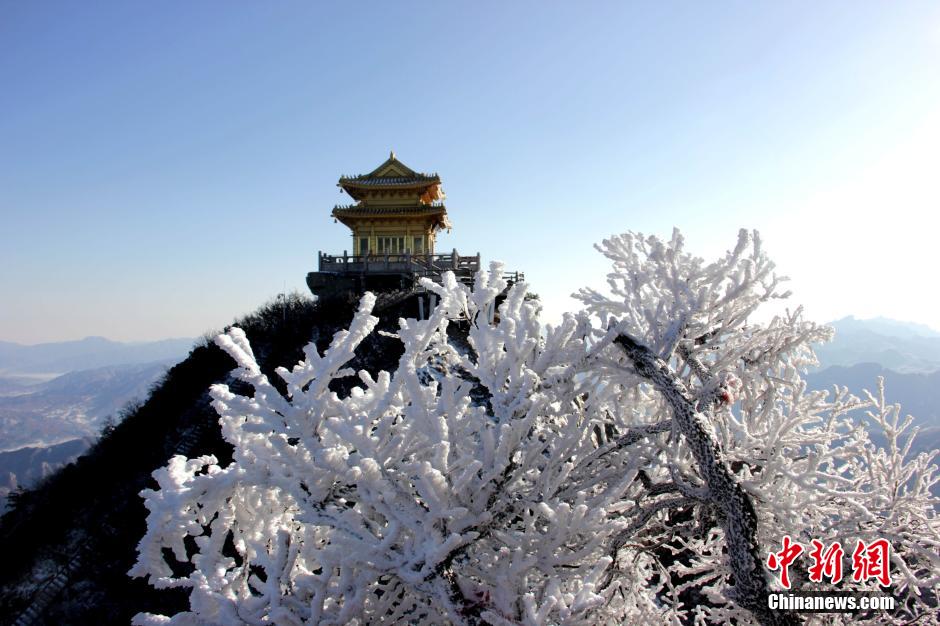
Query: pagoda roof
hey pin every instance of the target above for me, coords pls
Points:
(358, 210)
(438, 211)
(390, 174)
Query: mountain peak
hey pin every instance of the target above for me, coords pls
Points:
(97, 339)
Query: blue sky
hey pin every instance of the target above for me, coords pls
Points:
(167, 167)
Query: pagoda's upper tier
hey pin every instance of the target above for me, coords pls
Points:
(393, 178)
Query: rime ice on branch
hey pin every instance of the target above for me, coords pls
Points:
(622, 466)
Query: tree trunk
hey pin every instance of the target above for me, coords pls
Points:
(740, 519)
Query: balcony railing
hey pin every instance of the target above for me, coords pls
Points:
(416, 265)
(419, 264)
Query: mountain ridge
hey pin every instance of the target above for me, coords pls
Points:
(72, 405)
(88, 353)
(910, 348)
(884, 325)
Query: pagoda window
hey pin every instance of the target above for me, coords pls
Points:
(418, 246)
(363, 246)
(390, 245)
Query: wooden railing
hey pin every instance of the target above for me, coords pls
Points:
(418, 264)
(413, 265)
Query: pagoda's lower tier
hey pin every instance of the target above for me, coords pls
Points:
(340, 275)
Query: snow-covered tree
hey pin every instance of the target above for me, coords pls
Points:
(636, 463)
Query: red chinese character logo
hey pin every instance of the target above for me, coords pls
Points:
(872, 561)
(782, 560)
(826, 563)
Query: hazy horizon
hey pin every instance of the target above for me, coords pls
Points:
(925, 330)
(164, 171)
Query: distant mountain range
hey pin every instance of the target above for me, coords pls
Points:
(55, 398)
(46, 425)
(918, 394)
(884, 326)
(906, 355)
(899, 346)
(908, 358)
(85, 354)
(73, 405)
(55, 392)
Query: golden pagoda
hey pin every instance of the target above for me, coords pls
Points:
(397, 210)
(395, 220)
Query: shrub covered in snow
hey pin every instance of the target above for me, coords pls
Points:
(636, 463)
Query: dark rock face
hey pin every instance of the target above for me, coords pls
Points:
(68, 543)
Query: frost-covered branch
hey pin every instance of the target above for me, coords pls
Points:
(619, 467)
(740, 518)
